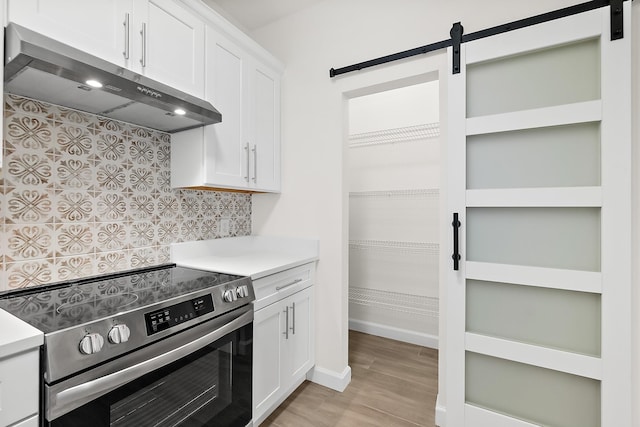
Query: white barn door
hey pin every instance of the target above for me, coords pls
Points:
(538, 313)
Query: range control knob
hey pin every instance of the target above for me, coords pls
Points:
(242, 291)
(229, 295)
(119, 334)
(91, 343)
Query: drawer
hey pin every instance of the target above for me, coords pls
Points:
(19, 389)
(277, 286)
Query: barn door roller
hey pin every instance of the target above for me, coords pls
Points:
(617, 21)
(456, 41)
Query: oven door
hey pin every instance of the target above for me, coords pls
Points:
(199, 377)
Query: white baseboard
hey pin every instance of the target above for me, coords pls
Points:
(412, 337)
(331, 379)
(441, 413)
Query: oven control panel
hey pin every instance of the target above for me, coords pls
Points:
(165, 318)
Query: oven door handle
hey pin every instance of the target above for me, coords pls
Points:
(92, 389)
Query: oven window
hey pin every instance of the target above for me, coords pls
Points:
(180, 395)
(209, 387)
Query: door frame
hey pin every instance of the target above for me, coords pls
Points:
(422, 69)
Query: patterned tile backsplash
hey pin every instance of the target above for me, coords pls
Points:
(84, 195)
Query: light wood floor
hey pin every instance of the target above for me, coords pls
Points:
(392, 384)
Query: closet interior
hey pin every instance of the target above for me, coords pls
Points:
(394, 178)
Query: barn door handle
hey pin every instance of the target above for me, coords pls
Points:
(456, 250)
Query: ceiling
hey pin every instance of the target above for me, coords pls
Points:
(253, 14)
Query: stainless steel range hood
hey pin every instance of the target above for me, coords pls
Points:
(42, 68)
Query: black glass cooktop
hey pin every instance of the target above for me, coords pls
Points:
(60, 306)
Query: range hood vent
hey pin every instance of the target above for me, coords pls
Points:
(41, 68)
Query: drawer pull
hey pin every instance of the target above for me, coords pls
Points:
(279, 288)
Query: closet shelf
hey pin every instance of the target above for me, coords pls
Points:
(395, 246)
(397, 135)
(395, 301)
(423, 192)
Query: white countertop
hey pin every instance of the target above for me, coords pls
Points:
(17, 336)
(254, 256)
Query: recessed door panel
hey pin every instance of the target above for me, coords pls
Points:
(540, 396)
(554, 318)
(557, 75)
(558, 156)
(567, 238)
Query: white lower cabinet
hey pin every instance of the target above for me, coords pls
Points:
(19, 389)
(283, 345)
(297, 336)
(267, 355)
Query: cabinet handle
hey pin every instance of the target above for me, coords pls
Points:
(286, 327)
(255, 164)
(246, 148)
(293, 324)
(279, 288)
(143, 33)
(126, 36)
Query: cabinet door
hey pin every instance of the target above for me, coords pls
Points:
(226, 151)
(169, 45)
(264, 127)
(94, 26)
(19, 385)
(268, 325)
(300, 354)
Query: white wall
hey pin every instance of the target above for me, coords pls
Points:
(313, 202)
(405, 106)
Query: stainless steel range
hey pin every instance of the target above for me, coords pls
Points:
(164, 346)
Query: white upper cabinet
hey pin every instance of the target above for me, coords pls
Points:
(226, 145)
(263, 127)
(156, 38)
(168, 45)
(95, 26)
(243, 151)
(185, 45)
